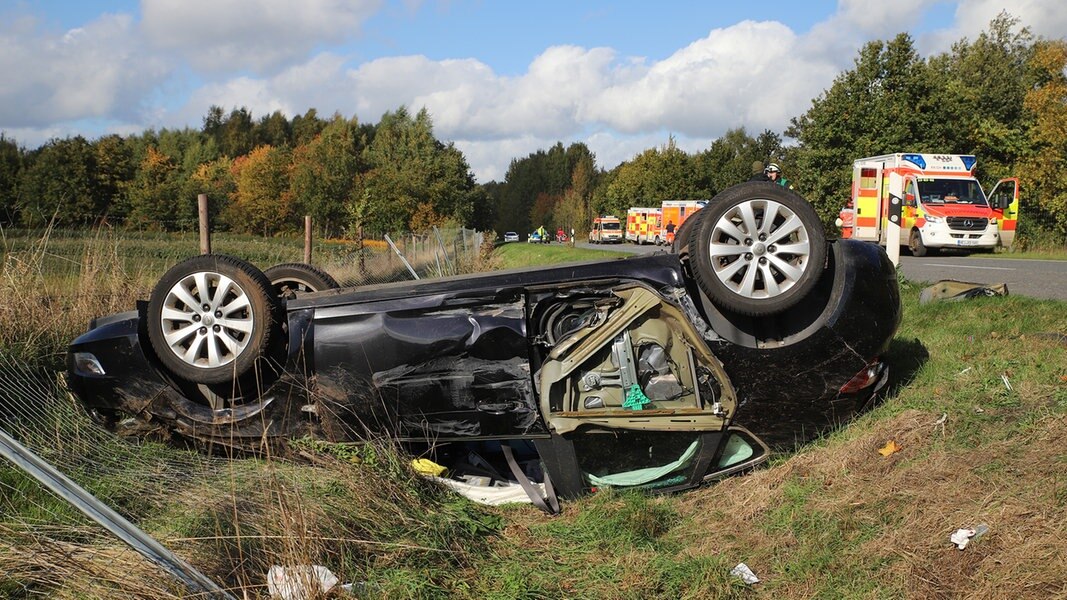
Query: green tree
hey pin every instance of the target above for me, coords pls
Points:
(981, 92)
(59, 181)
(10, 169)
(115, 169)
(324, 173)
(728, 160)
(887, 103)
(655, 175)
(410, 172)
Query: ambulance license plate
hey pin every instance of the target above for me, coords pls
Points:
(966, 242)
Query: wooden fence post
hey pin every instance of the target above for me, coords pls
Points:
(307, 239)
(205, 226)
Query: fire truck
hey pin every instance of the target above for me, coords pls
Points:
(643, 226)
(606, 230)
(934, 198)
(675, 212)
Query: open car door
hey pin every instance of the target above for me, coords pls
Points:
(1004, 200)
(640, 400)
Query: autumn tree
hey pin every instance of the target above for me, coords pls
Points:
(153, 193)
(1044, 172)
(261, 202)
(215, 180)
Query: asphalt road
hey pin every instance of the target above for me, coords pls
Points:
(1034, 278)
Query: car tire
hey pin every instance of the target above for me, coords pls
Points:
(916, 245)
(290, 278)
(758, 249)
(684, 233)
(211, 318)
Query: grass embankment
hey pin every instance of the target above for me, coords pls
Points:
(978, 406)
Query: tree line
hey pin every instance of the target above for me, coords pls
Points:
(261, 176)
(1001, 97)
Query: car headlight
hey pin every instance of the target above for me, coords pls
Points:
(992, 221)
(87, 364)
(930, 219)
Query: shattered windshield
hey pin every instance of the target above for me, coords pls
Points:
(951, 191)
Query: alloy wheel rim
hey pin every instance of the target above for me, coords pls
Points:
(759, 249)
(207, 320)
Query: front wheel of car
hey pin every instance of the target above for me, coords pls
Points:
(211, 317)
(758, 249)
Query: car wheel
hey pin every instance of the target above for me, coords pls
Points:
(759, 248)
(684, 234)
(299, 277)
(210, 318)
(916, 245)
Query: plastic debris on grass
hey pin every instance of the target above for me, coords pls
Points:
(962, 537)
(302, 582)
(744, 573)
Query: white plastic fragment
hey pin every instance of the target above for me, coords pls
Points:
(301, 582)
(745, 573)
(1007, 383)
(963, 536)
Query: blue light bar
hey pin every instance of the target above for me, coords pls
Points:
(916, 159)
(968, 162)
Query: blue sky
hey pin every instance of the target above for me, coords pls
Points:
(501, 79)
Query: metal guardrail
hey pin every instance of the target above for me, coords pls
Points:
(77, 496)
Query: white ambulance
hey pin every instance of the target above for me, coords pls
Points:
(941, 203)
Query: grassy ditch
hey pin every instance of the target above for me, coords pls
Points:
(977, 405)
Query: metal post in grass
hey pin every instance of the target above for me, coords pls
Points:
(402, 259)
(441, 245)
(359, 249)
(307, 239)
(205, 226)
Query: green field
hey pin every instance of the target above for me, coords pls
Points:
(977, 406)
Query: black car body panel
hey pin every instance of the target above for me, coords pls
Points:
(523, 355)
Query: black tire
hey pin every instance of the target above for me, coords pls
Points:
(290, 278)
(185, 335)
(684, 233)
(916, 245)
(761, 266)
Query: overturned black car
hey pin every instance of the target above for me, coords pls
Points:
(622, 373)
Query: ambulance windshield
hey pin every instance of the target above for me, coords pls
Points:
(934, 190)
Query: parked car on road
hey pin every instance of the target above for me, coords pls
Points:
(511, 236)
(631, 372)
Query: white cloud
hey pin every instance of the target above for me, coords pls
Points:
(755, 74)
(95, 71)
(255, 35)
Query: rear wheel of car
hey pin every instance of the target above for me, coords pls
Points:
(758, 249)
(299, 277)
(211, 317)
